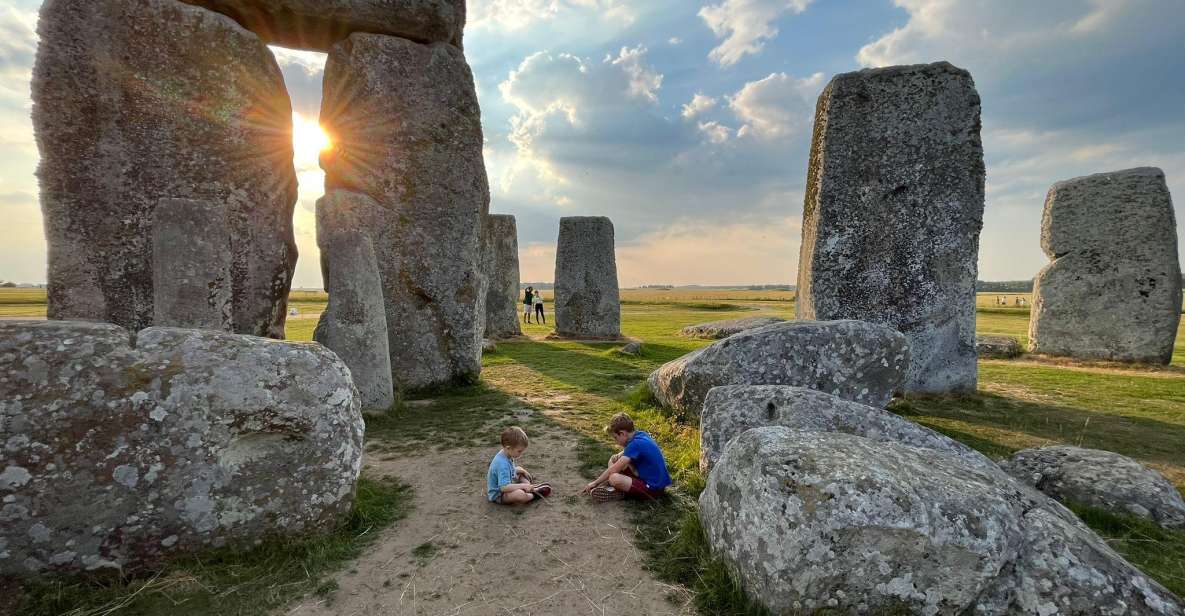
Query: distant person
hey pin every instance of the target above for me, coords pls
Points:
(528, 301)
(506, 483)
(539, 315)
(1017, 302)
(638, 472)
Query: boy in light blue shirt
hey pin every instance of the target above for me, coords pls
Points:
(509, 484)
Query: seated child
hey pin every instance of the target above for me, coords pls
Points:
(509, 484)
(639, 471)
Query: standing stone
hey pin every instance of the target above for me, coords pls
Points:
(586, 293)
(502, 270)
(318, 24)
(893, 210)
(191, 265)
(141, 100)
(123, 449)
(406, 127)
(1113, 288)
(354, 324)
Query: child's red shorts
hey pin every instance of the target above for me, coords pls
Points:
(638, 488)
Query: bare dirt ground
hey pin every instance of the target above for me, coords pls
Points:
(458, 554)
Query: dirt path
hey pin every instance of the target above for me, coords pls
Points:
(457, 554)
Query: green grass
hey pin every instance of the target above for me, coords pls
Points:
(229, 582)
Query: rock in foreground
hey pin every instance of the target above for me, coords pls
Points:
(854, 360)
(731, 410)
(716, 330)
(1113, 288)
(125, 449)
(997, 347)
(1099, 479)
(813, 520)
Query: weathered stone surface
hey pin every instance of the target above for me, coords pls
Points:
(122, 449)
(893, 210)
(1099, 479)
(631, 348)
(502, 301)
(319, 24)
(407, 132)
(814, 520)
(489, 346)
(191, 265)
(997, 347)
(731, 410)
(142, 100)
(854, 360)
(716, 330)
(587, 304)
(1113, 288)
(354, 324)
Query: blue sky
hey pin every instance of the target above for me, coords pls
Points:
(688, 121)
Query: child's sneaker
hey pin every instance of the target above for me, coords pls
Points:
(604, 494)
(542, 489)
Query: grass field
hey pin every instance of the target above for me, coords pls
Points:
(1138, 411)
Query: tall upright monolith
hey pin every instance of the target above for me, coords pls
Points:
(406, 128)
(191, 264)
(893, 210)
(1112, 290)
(587, 302)
(501, 309)
(354, 324)
(142, 100)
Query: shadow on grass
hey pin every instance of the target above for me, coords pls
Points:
(591, 370)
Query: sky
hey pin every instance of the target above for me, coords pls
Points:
(688, 122)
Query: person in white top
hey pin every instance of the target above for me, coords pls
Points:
(539, 315)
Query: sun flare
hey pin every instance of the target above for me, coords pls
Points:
(308, 140)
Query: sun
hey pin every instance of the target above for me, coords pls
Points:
(308, 140)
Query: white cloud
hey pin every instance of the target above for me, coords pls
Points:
(674, 40)
(777, 106)
(699, 104)
(644, 80)
(745, 25)
(514, 15)
(715, 132)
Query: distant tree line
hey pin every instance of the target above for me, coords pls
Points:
(1005, 286)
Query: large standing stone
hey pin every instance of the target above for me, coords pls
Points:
(715, 330)
(142, 100)
(854, 360)
(587, 303)
(318, 24)
(354, 324)
(191, 265)
(817, 520)
(893, 210)
(731, 410)
(1113, 288)
(1100, 479)
(502, 271)
(406, 127)
(122, 448)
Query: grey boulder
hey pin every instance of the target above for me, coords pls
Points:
(191, 265)
(1113, 288)
(318, 24)
(854, 360)
(501, 265)
(142, 100)
(731, 410)
(587, 301)
(1099, 479)
(122, 449)
(716, 330)
(997, 347)
(892, 215)
(814, 520)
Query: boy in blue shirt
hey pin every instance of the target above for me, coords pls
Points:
(639, 471)
(509, 484)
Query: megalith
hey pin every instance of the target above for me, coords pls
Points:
(893, 210)
(1112, 290)
(354, 324)
(142, 100)
(318, 24)
(191, 265)
(123, 448)
(501, 310)
(406, 127)
(587, 303)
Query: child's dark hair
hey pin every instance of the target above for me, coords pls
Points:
(514, 436)
(620, 423)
